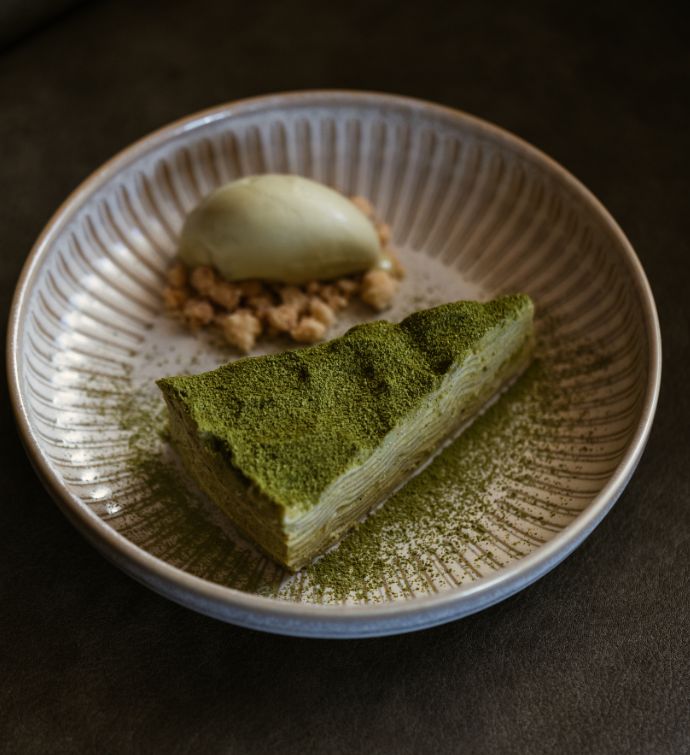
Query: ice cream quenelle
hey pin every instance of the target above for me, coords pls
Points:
(280, 228)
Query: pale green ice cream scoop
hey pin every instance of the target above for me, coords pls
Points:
(282, 228)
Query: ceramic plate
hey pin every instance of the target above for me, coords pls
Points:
(475, 212)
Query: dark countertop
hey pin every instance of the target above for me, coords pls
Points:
(592, 658)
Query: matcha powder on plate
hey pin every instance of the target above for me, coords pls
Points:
(435, 532)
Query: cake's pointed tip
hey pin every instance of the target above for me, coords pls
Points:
(166, 383)
(179, 388)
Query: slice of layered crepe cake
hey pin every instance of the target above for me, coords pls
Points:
(297, 447)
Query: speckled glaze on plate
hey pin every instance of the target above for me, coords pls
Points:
(475, 212)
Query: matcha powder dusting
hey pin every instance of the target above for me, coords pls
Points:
(489, 497)
(438, 513)
(492, 495)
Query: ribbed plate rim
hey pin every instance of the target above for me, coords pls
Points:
(275, 615)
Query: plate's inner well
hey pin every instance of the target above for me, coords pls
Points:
(470, 220)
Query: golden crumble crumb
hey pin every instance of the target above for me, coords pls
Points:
(260, 304)
(226, 295)
(203, 279)
(332, 296)
(282, 319)
(294, 297)
(198, 312)
(321, 311)
(177, 275)
(175, 298)
(308, 330)
(378, 289)
(241, 329)
(347, 286)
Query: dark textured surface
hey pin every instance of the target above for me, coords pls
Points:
(594, 657)
(20, 17)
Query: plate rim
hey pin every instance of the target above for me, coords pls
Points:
(316, 620)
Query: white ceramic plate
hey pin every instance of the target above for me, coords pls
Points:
(475, 212)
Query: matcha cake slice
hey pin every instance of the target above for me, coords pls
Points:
(296, 447)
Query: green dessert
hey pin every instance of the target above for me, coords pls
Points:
(279, 227)
(296, 447)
